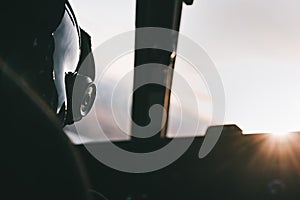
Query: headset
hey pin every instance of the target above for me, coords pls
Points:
(74, 69)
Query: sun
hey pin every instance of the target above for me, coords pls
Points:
(280, 133)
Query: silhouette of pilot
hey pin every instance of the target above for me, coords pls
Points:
(37, 159)
(42, 42)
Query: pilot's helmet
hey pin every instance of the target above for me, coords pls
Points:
(57, 66)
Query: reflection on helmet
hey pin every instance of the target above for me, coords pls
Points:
(76, 91)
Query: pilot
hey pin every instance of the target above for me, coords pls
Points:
(42, 42)
(42, 49)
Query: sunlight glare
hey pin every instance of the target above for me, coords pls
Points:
(280, 133)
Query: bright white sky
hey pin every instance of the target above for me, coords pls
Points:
(255, 45)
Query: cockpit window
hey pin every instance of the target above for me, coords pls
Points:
(254, 47)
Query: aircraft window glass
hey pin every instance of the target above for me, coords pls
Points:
(255, 48)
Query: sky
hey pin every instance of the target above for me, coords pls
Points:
(254, 45)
